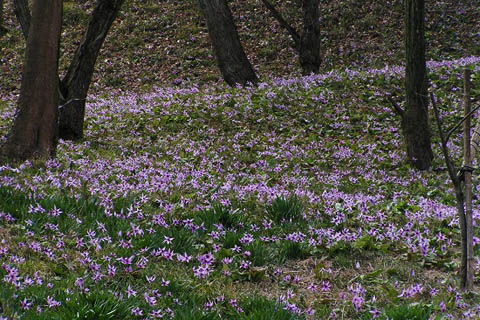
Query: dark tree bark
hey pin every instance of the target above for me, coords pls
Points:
(3, 30)
(76, 82)
(231, 58)
(34, 131)
(307, 45)
(23, 15)
(309, 51)
(74, 86)
(415, 123)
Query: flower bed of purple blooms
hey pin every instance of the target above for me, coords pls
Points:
(170, 196)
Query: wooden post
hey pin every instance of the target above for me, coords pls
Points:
(467, 158)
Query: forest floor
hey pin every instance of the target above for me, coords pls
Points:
(193, 200)
(162, 43)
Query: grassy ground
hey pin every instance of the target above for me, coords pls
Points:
(286, 201)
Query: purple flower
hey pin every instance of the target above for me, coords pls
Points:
(313, 287)
(152, 301)
(137, 311)
(227, 260)
(202, 271)
(375, 313)
(358, 302)
(326, 286)
(131, 292)
(208, 305)
(245, 264)
(165, 283)
(52, 303)
(443, 306)
(157, 313)
(206, 259)
(126, 261)
(80, 283)
(247, 238)
(112, 270)
(26, 305)
(184, 258)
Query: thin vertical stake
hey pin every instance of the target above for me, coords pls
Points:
(467, 159)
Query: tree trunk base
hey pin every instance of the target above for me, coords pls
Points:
(14, 152)
(71, 119)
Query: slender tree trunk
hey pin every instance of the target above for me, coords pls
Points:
(79, 75)
(231, 59)
(309, 51)
(20, 7)
(34, 131)
(415, 122)
(460, 199)
(3, 30)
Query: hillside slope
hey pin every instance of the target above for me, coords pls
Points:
(158, 43)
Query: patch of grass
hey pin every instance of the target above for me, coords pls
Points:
(408, 312)
(261, 253)
(20, 205)
(285, 210)
(74, 15)
(261, 308)
(95, 305)
(14, 202)
(191, 313)
(217, 214)
(182, 239)
(231, 239)
(291, 250)
(8, 304)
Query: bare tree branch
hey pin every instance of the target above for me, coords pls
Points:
(395, 105)
(456, 126)
(452, 170)
(278, 16)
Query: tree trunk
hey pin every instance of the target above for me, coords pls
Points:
(231, 59)
(415, 122)
(23, 15)
(3, 30)
(34, 131)
(309, 51)
(76, 82)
